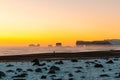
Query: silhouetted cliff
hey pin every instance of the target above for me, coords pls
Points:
(104, 42)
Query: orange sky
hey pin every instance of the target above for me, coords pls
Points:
(50, 21)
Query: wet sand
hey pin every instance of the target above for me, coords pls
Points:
(63, 55)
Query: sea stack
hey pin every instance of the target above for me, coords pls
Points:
(58, 44)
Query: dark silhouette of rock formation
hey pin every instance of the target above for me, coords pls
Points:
(92, 43)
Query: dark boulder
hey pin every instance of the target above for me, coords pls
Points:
(74, 60)
(10, 71)
(21, 75)
(19, 69)
(82, 76)
(104, 75)
(30, 70)
(54, 68)
(45, 68)
(51, 72)
(78, 71)
(118, 75)
(110, 69)
(70, 75)
(98, 66)
(38, 70)
(70, 79)
(96, 60)
(42, 64)
(103, 70)
(110, 62)
(9, 65)
(2, 74)
(79, 67)
(36, 62)
(43, 77)
(59, 62)
(53, 76)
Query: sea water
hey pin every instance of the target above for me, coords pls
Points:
(34, 50)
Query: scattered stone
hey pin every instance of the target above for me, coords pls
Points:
(118, 75)
(19, 69)
(9, 65)
(54, 68)
(82, 76)
(110, 69)
(53, 76)
(70, 79)
(43, 77)
(70, 75)
(36, 62)
(104, 75)
(38, 70)
(51, 72)
(98, 66)
(59, 62)
(2, 74)
(30, 70)
(79, 67)
(21, 75)
(42, 64)
(24, 71)
(74, 60)
(45, 68)
(78, 71)
(96, 60)
(103, 70)
(110, 62)
(87, 66)
(10, 71)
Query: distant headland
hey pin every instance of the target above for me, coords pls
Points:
(81, 42)
(100, 42)
(34, 45)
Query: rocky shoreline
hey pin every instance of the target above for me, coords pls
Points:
(74, 69)
(97, 65)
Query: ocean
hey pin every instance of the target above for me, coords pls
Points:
(33, 50)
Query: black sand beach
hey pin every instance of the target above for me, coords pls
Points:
(63, 55)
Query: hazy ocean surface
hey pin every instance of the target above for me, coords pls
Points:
(34, 50)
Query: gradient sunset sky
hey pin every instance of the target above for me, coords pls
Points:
(50, 21)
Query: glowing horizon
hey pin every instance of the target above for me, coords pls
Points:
(49, 21)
